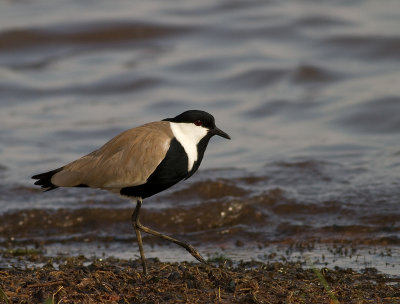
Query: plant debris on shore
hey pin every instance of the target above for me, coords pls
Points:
(76, 280)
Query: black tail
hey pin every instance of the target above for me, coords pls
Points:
(44, 179)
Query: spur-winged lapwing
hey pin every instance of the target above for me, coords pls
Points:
(141, 162)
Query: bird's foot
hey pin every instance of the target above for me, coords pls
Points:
(195, 254)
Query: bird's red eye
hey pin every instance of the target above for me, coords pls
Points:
(198, 123)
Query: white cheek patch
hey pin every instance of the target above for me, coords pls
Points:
(189, 135)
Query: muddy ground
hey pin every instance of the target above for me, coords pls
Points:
(79, 280)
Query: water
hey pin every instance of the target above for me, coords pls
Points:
(308, 90)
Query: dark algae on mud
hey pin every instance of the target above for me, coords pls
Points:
(77, 280)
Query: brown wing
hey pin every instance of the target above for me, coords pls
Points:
(126, 160)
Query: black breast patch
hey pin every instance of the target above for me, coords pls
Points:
(172, 169)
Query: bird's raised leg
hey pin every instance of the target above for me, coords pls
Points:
(136, 224)
(185, 245)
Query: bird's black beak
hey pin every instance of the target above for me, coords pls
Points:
(221, 133)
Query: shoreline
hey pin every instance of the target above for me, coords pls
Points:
(358, 256)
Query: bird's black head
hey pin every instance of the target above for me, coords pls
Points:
(200, 119)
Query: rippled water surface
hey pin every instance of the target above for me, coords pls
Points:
(308, 90)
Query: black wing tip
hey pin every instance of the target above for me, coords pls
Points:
(37, 176)
(45, 184)
(44, 179)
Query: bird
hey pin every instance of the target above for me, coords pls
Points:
(141, 162)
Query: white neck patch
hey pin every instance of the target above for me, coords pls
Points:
(189, 135)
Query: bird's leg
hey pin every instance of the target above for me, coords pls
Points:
(136, 225)
(185, 245)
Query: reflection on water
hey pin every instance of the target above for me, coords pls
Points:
(308, 91)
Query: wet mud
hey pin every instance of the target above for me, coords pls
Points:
(78, 280)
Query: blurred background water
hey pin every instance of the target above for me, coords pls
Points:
(308, 90)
